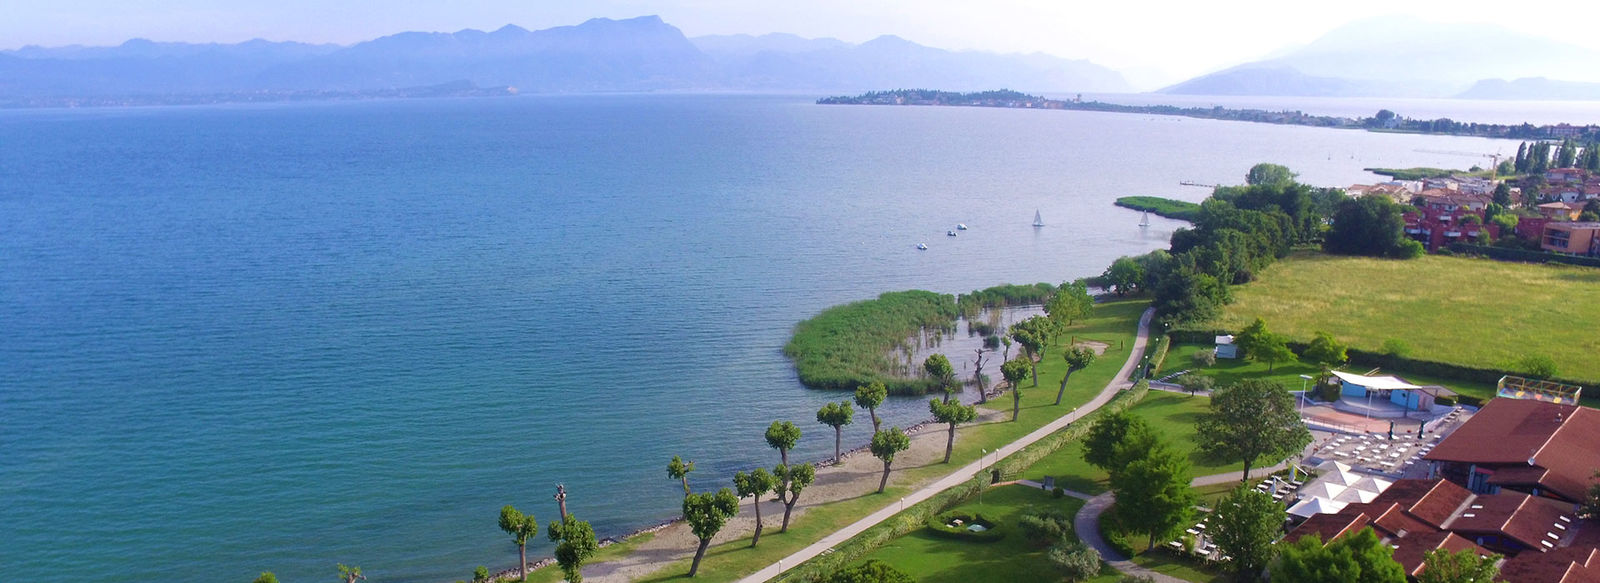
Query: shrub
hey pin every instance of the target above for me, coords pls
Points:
(1205, 358)
(480, 575)
(1396, 347)
(1328, 393)
(1059, 492)
(1075, 560)
(1445, 400)
(1137, 579)
(1469, 400)
(872, 571)
(991, 342)
(1043, 529)
(1116, 536)
(1539, 366)
(982, 329)
(940, 525)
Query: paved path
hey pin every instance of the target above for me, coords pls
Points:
(1087, 523)
(969, 471)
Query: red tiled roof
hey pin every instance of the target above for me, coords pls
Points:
(1526, 519)
(1414, 549)
(1331, 526)
(1564, 565)
(1563, 439)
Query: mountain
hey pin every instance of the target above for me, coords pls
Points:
(1399, 56)
(599, 55)
(1533, 88)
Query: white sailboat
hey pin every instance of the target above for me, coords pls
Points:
(922, 246)
(1145, 220)
(1038, 219)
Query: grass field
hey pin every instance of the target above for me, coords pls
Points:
(1114, 323)
(931, 559)
(1171, 414)
(1472, 312)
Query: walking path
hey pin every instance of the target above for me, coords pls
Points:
(969, 471)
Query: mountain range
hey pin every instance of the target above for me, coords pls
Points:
(1409, 57)
(600, 55)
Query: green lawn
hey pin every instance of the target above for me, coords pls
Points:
(1114, 323)
(931, 559)
(1171, 414)
(1474, 312)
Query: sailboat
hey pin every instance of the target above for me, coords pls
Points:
(1038, 220)
(1145, 221)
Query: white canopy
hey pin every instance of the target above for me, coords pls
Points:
(1341, 478)
(1371, 484)
(1353, 495)
(1313, 506)
(1321, 489)
(1332, 466)
(1379, 383)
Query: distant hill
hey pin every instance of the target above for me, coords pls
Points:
(1533, 88)
(600, 55)
(1399, 57)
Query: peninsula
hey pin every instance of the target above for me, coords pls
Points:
(1382, 121)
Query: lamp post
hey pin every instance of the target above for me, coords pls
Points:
(982, 461)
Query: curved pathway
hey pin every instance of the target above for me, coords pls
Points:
(971, 470)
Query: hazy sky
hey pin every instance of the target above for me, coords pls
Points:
(1177, 38)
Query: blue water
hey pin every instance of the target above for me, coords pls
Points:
(246, 338)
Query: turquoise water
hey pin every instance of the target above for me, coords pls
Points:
(248, 338)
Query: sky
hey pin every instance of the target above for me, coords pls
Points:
(1156, 40)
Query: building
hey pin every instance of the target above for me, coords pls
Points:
(1536, 447)
(1437, 227)
(1226, 348)
(1566, 175)
(1440, 199)
(1561, 210)
(1393, 390)
(1417, 516)
(1570, 238)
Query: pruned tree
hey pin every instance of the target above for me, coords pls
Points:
(943, 374)
(885, 444)
(1015, 371)
(755, 484)
(521, 527)
(706, 514)
(792, 480)
(1078, 358)
(266, 577)
(1243, 526)
(1032, 333)
(561, 498)
(782, 436)
(349, 574)
(977, 375)
(575, 545)
(952, 413)
(1464, 566)
(836, 415)
(1251, 420)
(678, 470)
(869, 397)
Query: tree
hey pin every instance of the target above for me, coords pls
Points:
(1325, 351)
(1111, 430)
(754, 485)
(872, 571)
(939, 369)
(1502, 194)
(707, 513)
(1125, 276)
(1353, 558)
(792, 480)
(885, 444)
(1015, 371)
(836, 415)
(1268, 174)
(575, 544)
(952, 413)
(1243, 527)
(1567, 154)
(1371, 226)
(1251, 420)
(1539, 366)
(1074, 560)
(521, 527)
(266, 577)
(351, 574)
(678, 470)
(1261, 344)
(782, 436)
(1590, 508)
(1155, 493)
(1032, 334)
(1078, 358)
(480, 574)
(1070, 302)
(1521, 161)
(1464, 566)
(977, 374)
(869, 396)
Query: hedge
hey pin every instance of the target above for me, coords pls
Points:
(939, 524)
(1522, 255)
